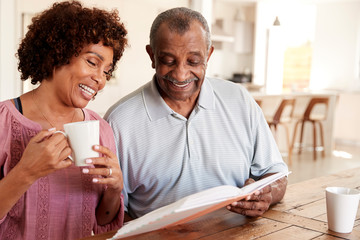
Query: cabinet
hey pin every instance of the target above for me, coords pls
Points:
(244, 32)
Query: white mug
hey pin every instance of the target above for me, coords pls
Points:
(341, 206)
(82, 137)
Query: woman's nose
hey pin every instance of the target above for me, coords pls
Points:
(99, 77)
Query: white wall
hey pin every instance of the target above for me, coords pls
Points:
(8, 88)
(297, 25)
(336, 40)
(337, 46)
(347, 118)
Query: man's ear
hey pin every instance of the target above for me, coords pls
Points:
(211, 50)
(149, 50)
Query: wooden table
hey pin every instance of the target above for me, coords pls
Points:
(300, 215)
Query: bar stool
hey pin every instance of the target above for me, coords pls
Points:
(314, 119)
(283, 116)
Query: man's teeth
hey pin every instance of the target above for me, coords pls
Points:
(87, 90)
(181, 85)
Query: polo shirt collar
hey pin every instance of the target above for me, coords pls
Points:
(157, 108)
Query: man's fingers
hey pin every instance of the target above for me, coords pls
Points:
(247, 212)
(249, 181)
(247, 205)
(248, 208)
(266, 189)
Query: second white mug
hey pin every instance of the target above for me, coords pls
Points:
(342, 205)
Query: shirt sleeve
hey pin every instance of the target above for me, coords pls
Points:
(267, 157)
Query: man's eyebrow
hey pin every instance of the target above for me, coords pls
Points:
(197, 53)
(166, 53)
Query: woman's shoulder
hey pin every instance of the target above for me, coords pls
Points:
(8, 112)
(4, 105)
(5, 112)
(91, 115)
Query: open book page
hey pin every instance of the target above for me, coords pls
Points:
(192, 206)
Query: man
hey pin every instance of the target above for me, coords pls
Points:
(182, 132)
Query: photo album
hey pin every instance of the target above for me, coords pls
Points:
(192, 206)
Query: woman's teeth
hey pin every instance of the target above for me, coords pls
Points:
(87, 90)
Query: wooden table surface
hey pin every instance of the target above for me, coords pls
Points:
(300, 215)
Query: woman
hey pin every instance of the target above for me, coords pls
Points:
(71, 51)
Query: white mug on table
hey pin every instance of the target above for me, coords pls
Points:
(341, 205)
(82, 137)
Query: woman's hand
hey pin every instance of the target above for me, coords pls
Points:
(106, 166)
(45, 153)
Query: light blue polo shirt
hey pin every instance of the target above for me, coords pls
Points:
(165, 156)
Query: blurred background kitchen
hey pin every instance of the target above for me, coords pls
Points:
(298, 49)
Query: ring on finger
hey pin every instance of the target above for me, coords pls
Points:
(110, 172)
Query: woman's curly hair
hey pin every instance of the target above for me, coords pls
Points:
(59, 33)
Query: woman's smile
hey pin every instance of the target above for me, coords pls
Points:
(87, 92)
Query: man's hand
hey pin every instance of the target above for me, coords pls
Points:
(254, 205)
(258, 203)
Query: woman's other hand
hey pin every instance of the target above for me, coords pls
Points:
(106, 166)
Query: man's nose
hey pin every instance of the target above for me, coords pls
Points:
(181, 73)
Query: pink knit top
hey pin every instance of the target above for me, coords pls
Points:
(58, 206)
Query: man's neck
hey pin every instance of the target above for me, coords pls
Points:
(182, 107)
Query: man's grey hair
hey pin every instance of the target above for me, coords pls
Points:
(179, 20)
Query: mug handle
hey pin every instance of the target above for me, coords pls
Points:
(63, 133)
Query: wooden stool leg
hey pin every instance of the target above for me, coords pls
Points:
(314, 140)
(288, 143)
(301, 135)
(276, 134)
(322, 139)
(293, 139)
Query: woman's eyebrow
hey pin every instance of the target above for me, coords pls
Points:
(101, 57)
(98, 55)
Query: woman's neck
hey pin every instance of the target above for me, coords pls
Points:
(42, 106)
